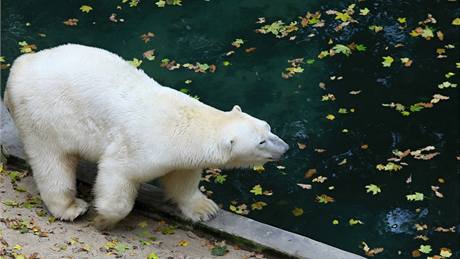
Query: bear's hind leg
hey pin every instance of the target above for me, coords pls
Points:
(114, 194)
(182, 187)
(55, 176)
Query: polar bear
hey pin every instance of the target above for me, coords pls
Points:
(75, 101)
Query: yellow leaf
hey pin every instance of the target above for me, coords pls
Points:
(259, 168)
(257, 190)
(297, 211)
(335, 222)
(17, 247)
(330, 117)
(445, 252)
(258, 205)
(456, 22)
(86, 8)
(182, 243)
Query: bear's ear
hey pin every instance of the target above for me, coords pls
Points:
(236, 108)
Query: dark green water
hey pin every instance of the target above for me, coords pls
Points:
(202, 31)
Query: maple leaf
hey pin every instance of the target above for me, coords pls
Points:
(257, 190)
(297, 211)
(375, 28)
(361, 47)
(319, 179)
(86, 8)
(304, 186)
(220, 178)
(342, 16)
(258, 168)
(406, 61)
(364, 11)
(402, 19)
(237, 43)
(71, 22)
(373, 188)
(426, 249)
(353, 222)
(387, 61)
(258, 205)
(456, 21)
(135, 62)
(161, 3)
(340, 48)
(330, 117)
(445, 252)
(373, 251)
(417, 196)
(149, 54)
(323, 198)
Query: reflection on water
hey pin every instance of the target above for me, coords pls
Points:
(401, 221)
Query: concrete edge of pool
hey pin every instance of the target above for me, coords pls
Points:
(238, 227)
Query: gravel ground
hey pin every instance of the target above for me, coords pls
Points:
(28, 231)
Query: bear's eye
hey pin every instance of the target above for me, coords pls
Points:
(262, 142)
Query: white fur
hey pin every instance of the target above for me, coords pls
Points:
(75, 101)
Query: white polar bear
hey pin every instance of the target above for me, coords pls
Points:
(74, 101)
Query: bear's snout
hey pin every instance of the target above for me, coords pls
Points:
(279, 147)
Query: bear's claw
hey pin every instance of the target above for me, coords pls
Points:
(77, 208)
(201, 209)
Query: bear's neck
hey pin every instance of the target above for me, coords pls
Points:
(200, 136)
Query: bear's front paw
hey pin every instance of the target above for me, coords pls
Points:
(199, 209)
(75, 209)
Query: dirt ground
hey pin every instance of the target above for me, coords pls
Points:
(28, 231)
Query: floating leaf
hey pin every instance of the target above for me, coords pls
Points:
(220, 178)
(297, 211)
(387, 61)
(402, 19)
(237, 43)
(340, 48)
(389, 167)
(258, 168)
(323, 198)
(373, 188)
(71, 22)
(446, 252)
(86, 8)
(371, 252)
(149, 54)
(353, 222)
(258, 205)
(417, 196)
(375, 28)
(304, 186)
(135, 62)
(364, 11)
(426, 249)
(456, 21)
(319, 179)
(330, 117)
(361, 47)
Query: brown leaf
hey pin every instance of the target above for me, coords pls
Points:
(249, 50)
(310, 173)
(301, 145)
(71, 22)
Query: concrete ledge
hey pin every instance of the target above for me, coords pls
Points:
(238, 227)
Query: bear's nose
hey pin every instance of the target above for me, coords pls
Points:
(286, 147)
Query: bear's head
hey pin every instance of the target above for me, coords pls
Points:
(249, 141)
